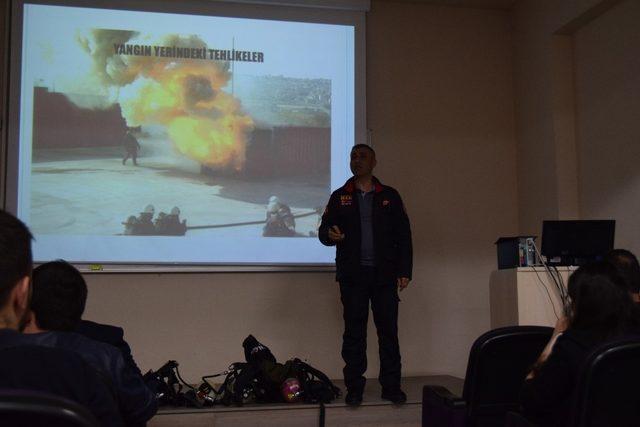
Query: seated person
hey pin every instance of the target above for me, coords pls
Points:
(57, 302)
(108, 334)
(29, 367)
(601, 310)
(62, 272)
(627, 266)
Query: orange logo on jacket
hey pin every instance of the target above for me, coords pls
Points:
(346, 200)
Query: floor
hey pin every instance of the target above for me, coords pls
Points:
(373, 411)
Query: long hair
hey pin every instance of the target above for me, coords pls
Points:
(600, 302)
(627, 266)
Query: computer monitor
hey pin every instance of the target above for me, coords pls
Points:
(576, 242)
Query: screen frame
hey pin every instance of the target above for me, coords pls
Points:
(12, 82)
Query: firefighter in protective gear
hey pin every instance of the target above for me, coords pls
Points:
(169, 224)
(280, 221)
(131, 147)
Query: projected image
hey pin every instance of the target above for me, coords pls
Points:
(178, 142)
(226, 130)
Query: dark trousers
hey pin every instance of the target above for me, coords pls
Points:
(131, 154)
(355, 296)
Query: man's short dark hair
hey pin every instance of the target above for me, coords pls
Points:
(15, 253)
(626, 264)
(365, 146)
(59, 296)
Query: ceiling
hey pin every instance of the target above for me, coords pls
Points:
(483, 4)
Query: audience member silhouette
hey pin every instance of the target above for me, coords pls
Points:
(30, 367)
(601, 309)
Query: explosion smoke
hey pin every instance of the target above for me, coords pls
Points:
(204, 122)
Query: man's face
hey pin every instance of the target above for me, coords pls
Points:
(362, 162)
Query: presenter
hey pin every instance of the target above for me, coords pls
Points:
(368, 224)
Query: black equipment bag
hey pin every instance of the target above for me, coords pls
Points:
(164, 382)
(318, 388)
(270, 375)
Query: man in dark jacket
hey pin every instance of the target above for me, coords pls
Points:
(108, 334)
(368, 224)
(58, 301)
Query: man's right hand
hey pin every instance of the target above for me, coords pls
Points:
(335, 235)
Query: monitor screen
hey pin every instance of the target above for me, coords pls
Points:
(577, 240)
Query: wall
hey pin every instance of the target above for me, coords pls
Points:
(607, 106)
(440, 110)
(544, 73)
(440, 107)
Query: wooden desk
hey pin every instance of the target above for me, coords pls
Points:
(525, 296)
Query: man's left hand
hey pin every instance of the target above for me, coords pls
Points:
(403, 282)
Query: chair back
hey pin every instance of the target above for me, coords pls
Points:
(499, 361)
(608, 389)
(27, 408)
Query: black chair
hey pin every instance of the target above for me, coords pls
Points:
(27, 408)
(607, 392)
(608, 389)
(498, 364)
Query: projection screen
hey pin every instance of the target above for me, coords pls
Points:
(173, 135)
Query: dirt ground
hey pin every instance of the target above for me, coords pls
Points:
(89, 191)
